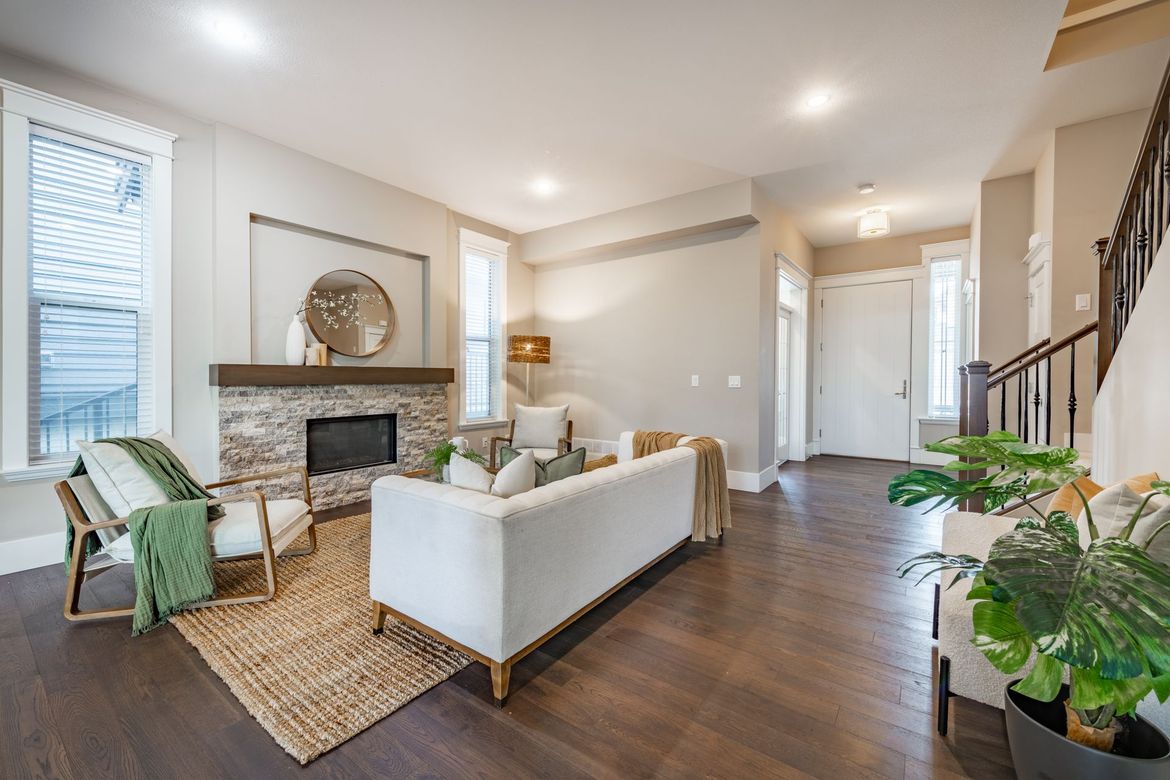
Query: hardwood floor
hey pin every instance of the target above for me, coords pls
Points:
(790, 651)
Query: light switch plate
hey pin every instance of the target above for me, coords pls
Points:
(1084, 302)
(733, 381)
(694, 380)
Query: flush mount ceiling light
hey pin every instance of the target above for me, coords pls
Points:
(873, 223)
(544, 186)
(866, 189)
(817, 100)
(231, 32)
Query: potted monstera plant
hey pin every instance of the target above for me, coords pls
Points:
(1095, 621)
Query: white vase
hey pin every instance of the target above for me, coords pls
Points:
(294, 343)
(447, 474)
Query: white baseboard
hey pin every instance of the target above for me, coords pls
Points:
(752, 483)
(32, 552)
(925, 457)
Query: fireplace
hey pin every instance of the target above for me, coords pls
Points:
(343, 443)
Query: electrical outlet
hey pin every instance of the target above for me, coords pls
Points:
(484, 443)
(734, 381)
(694, 380)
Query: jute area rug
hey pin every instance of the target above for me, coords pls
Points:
(305, 664)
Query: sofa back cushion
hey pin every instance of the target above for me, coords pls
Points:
(539, 427)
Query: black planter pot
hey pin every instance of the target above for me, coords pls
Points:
(1040, 751)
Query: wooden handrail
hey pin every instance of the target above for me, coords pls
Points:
(1041, 344)
(1005, 374)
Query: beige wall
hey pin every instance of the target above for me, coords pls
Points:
(1043, 190)
(877, 253)
(1005, 223)
(631, 319)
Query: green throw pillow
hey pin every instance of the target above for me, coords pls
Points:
(567, 465)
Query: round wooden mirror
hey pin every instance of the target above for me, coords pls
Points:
(350, 312)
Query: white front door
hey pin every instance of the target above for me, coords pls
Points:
(865, 370)
(783, 384)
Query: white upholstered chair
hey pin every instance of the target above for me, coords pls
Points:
(252, 527)
(546, 431)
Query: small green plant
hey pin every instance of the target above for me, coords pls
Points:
(1099, 615)
(440, 456)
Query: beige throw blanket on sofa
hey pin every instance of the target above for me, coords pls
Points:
(712, 502)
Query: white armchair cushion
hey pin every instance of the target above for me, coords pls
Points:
(469, 475)
(539, 426)
(237, 532)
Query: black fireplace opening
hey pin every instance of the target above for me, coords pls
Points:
(344, 443)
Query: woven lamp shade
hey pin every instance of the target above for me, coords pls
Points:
(529, 349)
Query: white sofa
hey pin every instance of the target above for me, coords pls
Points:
(964, 670)
(496, 577)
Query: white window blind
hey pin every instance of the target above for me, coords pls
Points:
(482, 331)
(90, 325)
(945, 307)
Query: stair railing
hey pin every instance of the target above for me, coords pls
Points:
(1128, 253)
(1030, 400)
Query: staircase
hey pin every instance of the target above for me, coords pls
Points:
(1019, 395)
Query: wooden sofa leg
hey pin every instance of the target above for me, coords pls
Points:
(378, 618)
(501, 677)
(944, 693)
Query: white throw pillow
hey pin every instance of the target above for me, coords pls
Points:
(469, 475)
(1113, 508)
(539, 426)
(121, 482)
(519, 476)
(168, 441)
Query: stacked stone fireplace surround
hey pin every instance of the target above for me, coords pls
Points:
(262, 428)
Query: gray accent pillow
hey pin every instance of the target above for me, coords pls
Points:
(567, 465)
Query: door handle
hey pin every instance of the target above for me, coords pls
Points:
(903, 393)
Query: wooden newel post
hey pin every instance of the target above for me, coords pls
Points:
(1106, 290)
(973, 415)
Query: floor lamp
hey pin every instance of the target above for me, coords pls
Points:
(529, 350)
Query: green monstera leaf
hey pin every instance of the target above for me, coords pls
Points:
(967, 566)
(1106, 608)
(1043, 467)
(1000, 636)
(922, 485)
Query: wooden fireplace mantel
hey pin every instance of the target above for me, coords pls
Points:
(245, 375)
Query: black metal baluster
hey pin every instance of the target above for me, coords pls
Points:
(1003, 407)
(1024, 404)
(1036, 404)
(1048, 402)
(1072, 394)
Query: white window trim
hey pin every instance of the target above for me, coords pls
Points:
(19, 106)
(947, 250)
(469, 239)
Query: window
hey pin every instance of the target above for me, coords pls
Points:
(89, 294)
(483, 261)
(945, 334)
(86, 279)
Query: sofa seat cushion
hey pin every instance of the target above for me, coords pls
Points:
(237, 532)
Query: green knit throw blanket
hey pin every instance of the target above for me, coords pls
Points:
(172, 559)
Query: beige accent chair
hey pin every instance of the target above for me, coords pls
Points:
(544, 442)
(252, 527)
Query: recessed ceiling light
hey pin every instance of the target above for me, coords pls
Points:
(866, 189)
(544, 186)
(818, 100)
(232, 32)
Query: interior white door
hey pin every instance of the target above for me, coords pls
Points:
(783, 384)
(865, 370)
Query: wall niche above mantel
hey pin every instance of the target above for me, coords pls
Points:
(255, 375)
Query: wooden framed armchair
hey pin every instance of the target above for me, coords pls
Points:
(542, 446)
(252, 527)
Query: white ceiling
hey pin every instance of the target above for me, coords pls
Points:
(619, 102)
